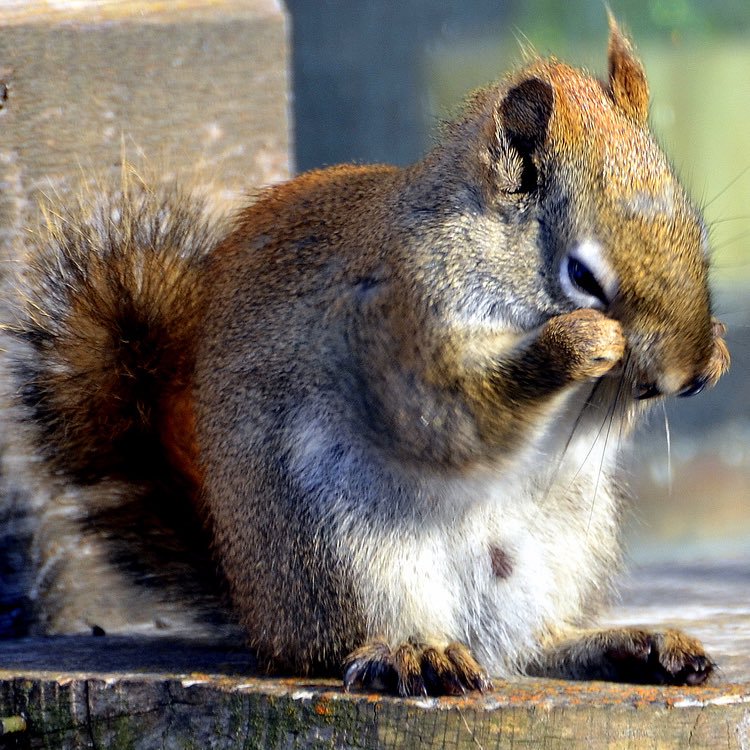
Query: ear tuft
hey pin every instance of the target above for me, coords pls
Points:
(525, 113)
(628, 86)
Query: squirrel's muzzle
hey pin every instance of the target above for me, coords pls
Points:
(673, 368)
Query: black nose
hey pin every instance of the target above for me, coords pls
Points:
(646, 390)
(695, 387)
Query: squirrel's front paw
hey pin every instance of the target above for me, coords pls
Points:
(586, 342)
(414, 668)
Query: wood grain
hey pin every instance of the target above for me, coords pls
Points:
(197, 90)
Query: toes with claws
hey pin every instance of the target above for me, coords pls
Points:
(414, 668)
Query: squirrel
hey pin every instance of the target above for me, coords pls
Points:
(382, 408)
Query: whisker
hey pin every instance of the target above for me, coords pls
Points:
(553, 474)
(731, 266)
(623, 421)
(729, 241)
(586, 405)
(725, 219)
(668, 436)
(607, 418)
(609, 415)
(607, 422)
(726, 187)
(610, 420)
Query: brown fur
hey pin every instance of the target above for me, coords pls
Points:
(374, 376)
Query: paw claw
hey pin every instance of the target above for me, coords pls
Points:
(367, 665)
(414, 669)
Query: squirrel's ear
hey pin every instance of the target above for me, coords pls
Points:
(627, 78)
(517, 127)
(525, 113)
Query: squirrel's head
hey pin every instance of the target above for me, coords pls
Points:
(613, 226)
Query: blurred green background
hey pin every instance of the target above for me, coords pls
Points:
(372, 81)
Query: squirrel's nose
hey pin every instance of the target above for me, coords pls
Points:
(696, 386)
(645, 391)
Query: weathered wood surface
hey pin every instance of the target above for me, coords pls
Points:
(125, 709)
(196, 89)
(199, 711)
(87, 692)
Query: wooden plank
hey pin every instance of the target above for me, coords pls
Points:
(130, 710)
(195, 89)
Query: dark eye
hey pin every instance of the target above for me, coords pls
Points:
(585, 281)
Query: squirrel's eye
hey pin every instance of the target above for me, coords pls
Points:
(584, 280)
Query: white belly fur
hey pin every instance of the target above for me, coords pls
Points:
(424, 569)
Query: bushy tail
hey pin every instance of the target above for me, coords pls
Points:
(100, 348)
(110, 296)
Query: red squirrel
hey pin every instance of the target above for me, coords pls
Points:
(382, 406)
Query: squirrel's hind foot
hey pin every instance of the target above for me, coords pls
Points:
(633, 655)
(415, 668)
(669, 657)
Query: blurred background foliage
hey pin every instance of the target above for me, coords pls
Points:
(373, 80)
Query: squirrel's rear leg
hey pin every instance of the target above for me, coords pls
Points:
(415, 668)
(634, 655)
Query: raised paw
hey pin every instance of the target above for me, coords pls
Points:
(415, 668)
(668, 657)
(586, 342)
